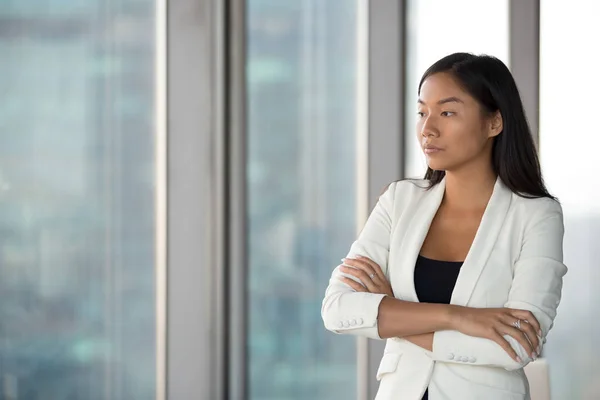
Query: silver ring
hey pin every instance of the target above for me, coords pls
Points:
(372, 276)
(517, 324)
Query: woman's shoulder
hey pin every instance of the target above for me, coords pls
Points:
(544, 204)
(408, 185)
(400, 193)
(538, 208)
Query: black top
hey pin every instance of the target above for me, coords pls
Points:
(434, 282)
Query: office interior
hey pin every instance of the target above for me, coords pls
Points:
(178, 179)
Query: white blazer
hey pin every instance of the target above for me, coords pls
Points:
(516, 261)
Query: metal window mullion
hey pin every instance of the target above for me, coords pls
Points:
(237, 198)
(524, 42)
(195, 204)
(386, 118)
(362, 167)
(160, 167)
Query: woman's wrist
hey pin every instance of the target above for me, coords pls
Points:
(453, 316)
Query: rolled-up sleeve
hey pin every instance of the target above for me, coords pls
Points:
(345, 310)
(536, 287)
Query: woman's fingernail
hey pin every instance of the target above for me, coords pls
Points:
(534, 356)
(539, 350)
(518, 359)
(343, 260)
(540, 332)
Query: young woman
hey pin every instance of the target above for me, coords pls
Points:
(462, 271)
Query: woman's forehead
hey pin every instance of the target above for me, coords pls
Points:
(442, 88)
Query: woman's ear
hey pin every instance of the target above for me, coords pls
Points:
(496, 124)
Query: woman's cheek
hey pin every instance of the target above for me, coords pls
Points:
(468, 143)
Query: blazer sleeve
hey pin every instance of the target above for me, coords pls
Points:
(344, 310)
(537, 285)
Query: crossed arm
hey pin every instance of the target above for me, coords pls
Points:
(425, 319)
(487, 335)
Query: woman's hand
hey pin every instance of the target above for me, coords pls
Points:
(494, 323)
(369, 273)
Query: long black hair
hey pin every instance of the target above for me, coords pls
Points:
(514, 156)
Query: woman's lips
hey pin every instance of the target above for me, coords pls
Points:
(431, 150)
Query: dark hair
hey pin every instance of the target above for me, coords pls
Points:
(514, 156)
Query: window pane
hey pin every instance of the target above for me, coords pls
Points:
(568, 143)
(77, 199)
(301, 152)
(437, 28)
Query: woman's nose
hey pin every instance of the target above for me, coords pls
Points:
(426, 133)
(428, 129)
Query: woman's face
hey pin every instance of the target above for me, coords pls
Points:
(451, 127)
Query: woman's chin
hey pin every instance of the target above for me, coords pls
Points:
(436, 166)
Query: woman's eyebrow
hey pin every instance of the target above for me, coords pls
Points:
(444, 101)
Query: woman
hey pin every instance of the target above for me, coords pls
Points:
(461, 272)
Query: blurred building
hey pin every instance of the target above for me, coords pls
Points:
(77, 203)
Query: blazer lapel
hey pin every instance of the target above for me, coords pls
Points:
(414, 235)
(483, 244)
(417, 227)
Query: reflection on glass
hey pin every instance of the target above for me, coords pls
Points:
(569, 142)
(437, 28)
(77, 315)
(301, 150)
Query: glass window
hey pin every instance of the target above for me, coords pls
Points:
(568, 141)
(77, 314)
(437, 28)
(302, 84)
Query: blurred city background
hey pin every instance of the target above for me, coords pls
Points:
(234, 148)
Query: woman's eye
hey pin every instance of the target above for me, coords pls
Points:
(447, 113)
(420, 114)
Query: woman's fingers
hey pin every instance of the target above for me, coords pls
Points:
(373, 265)
(361, 275)
(529, 317)
(530, 326)
(529, 332)
(361, 265)
(353, 284)
(520, 337)
(506, 347)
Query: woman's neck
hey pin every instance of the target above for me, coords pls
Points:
(469, 190)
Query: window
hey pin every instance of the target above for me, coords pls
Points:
(302, 83)
(77, 265)
(568, 143)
